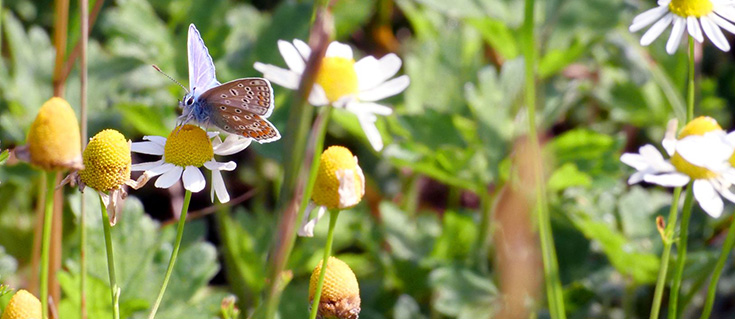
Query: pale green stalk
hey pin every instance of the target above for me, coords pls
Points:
(84, 21)
(114, 289)
(333, 214)
(668, 238)
(174, 253)
(712, 290)
(681, 254)
(46, 239)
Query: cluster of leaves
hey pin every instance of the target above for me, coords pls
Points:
(451, 134)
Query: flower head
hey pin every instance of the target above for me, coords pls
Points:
(54, 142)
(692, 16)
(184, 152)
(699, 154)
(340, 184)
(23, 305)
(342, 82)
(340, 297)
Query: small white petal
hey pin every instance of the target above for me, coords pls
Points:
(708, 198)
(232, 144)
(318, 97)
(726, 11)
(293, 58)
(145, 166)
(282, 77)
(160, 140)
(647, 17)
(349, 195)
(635, 161)
(217, 166)
(669, 142)
(694, 30)
(704, 150)
(676, 34)
(303, 48)
(218, 187)
(164, 168)
(372, 72)
(386, 89)
(714, 33)
(723, 23)
(169, 178)
(371, 132)
(636, 178)
(667, 180)
(656, 29)
(368, 108)
(337, 49)
(193, 179)
(307, 225)
(147, 148)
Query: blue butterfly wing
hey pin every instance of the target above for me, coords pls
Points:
(201, 66)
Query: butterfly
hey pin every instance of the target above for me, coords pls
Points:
(238, 107)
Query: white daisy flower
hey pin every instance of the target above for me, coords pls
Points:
(342, 82)
(690, 15)
(185, 150)
(701, 153)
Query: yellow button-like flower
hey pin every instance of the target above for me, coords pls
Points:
(339, 183)
(340, 297)
(54, 141)
(698, 126)
(337, 77)
(23, 305)
(106, 161)
(188, 145)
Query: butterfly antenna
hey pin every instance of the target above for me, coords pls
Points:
(169, 77)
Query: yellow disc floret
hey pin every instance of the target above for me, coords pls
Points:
(337, 77)
(54, 141)
(339, 182)
(23, 305)
(340, 297)
(188, 145)
(106, 161)
(691, 8)
(698, 126)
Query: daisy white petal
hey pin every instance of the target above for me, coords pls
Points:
(163, 169)
(714, 33)
(372, 72)
(232, 144)
(368, 108)
(303, 48)
(169, 178)
(656, 29)
(318, 97)
(218, 187)
(389, 88)
(371, 131)
(694, 30)
(669, 142)
(282, 77)
(145, 166)
(709, 150)
(150, 148)
(646, 18)
(336, 49)
(708, 198)
(160, 140)
(193, 179)
(676, 34)
(667, 180)
(293, 58)
(727, 25)
(217, 166)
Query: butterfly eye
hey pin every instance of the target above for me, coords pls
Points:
(190, 101)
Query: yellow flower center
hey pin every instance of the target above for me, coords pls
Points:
(340, 297)
(106, 161)
(23, 305)
(54, 141)
(188, 145)
(339, 181)
(698, 126)
(690, 8)
(337, 77)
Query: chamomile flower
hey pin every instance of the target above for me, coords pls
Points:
(23, 305)
(54, 142)
(340, 297)
(700, 153)
(339, 184)
(693, 16)
(184, 152)
(342, 82)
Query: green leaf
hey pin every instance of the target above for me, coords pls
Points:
(568, 176)
(460, 292)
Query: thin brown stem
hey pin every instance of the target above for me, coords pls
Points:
(61, 23)
(76, 52)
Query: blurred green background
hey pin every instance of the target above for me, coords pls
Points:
(415, 242)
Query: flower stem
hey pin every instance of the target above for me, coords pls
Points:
(174, 253)
(316, 141)
(690, 82)
(712, 290)
(46, 240)
(333, 214)
(551, 267)
(663, 268)
(114, 289)
(681, 254)
(84, 21)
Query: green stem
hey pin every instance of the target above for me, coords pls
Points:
(681, 253)
(664, 267)
(319, 131)
(551, 266)
(333, 214)
(46, 240)
(174, 253)
(114, 289)
(690, 82)
(712, 290)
